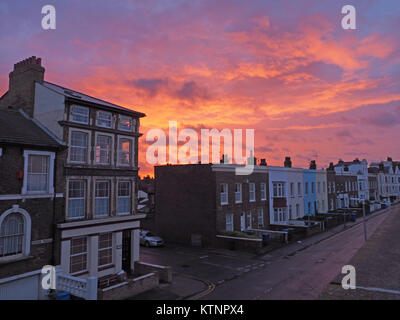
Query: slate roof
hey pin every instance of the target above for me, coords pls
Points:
(72, 94)
(18, 128)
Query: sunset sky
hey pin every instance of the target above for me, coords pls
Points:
(287, 69)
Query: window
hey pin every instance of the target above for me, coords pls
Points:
(104, 119)
(312, 187)
(319, 187)
(329, 187)
(12, 234)
(252, 192)
(263, 188)
(279, 189)
(103, 149)
(125, 123)
(76, 199)
(323, 205)
(79, 114)
(324, 187)
(125, 151)
(292, 189)
(280, 214)
(105, 249)
(229, 222)
(297, 210)
(78, 255)
(238, 192)
(260, 215)
(78, 148)
(124, 197)
(290, 212)
(102, 198)
(306, 188)
(224, 193)
(38, 173)
(299, 189)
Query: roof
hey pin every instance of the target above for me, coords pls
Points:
(72, 94)
(17, 128)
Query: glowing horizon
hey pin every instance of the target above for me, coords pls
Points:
(310, 89)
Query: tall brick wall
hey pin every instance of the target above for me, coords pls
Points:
(185, 203)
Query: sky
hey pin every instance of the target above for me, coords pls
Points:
(287, 69)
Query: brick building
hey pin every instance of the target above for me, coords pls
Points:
(97, 233)
(342, 188)
(31, 192)
(195, 202)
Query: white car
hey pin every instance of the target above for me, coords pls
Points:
(149, 239)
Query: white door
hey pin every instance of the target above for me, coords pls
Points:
(242, 222)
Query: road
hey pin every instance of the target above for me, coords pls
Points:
(302, 274)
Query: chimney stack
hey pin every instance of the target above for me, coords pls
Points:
(21, 88)
(288, 162)
(263, 162)
(313, 165)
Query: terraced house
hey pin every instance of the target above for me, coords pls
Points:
(98, 230)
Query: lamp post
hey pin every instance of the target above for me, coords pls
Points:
(364, 222)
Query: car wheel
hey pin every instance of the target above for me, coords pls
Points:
(147, 244)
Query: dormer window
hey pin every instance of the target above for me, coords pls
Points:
(79, 114)
(125, 123)
(104, 119)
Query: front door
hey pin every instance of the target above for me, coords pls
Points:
(126, 251)
(242, 222)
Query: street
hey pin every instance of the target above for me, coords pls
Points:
(296, 271)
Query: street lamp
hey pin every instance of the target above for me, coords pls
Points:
(364, 222)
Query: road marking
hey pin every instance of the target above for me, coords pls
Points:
(371, 289)
(203, 257)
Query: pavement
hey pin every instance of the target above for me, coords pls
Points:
(376, 265)
(300, 270)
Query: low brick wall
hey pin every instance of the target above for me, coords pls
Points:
(241, 244)
(164, 272)
(129, 288)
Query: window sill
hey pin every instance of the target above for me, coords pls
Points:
(105, 267)
(12, 259)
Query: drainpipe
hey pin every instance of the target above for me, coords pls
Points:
(53, 258)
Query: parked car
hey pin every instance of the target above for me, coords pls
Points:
(149, 239)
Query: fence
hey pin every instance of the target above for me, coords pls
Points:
(79, 287)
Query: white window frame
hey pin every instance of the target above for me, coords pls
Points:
(224, 193)
(104, 249)
(278, 188)
(132, 156)
(89, 141)
(263, 191)
(238, 194)
(112, 148)
(130, 197)
(76, 121)
(26, 245)
(120, 121)
(109, 197)
(252, 192)
(85, 192)
(80, 254)
(51, 155)
(229, 226)
(98, 113)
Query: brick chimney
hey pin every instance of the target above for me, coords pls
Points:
(263, 162)
(21, 88)
(288, 162)
(313, 165)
